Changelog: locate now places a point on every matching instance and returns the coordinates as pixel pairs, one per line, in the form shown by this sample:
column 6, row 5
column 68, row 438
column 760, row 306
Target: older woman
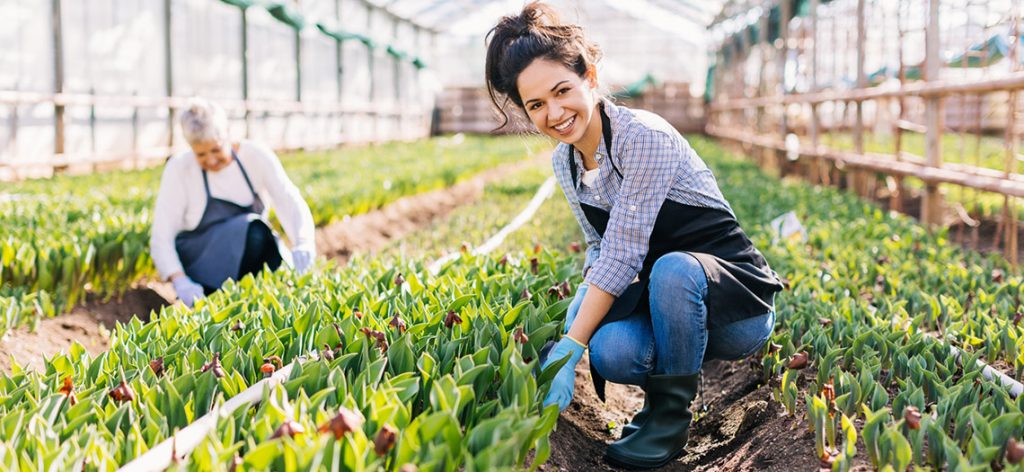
column 209, row 222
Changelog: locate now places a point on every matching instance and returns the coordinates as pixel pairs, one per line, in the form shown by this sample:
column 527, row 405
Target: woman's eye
column 563, row 90
column 535, row 106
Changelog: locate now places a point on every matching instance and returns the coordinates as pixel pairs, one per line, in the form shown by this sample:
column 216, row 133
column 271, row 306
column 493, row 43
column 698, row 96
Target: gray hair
column 204, row 121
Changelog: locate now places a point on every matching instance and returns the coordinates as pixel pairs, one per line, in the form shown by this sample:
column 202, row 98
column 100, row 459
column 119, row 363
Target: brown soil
column 367, row 233
column 90, row 323
column 738, row 428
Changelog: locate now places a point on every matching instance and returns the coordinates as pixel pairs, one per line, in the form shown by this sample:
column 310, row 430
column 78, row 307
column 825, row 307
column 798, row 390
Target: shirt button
column 597, row 197
column 598, row 156
column 632, row 207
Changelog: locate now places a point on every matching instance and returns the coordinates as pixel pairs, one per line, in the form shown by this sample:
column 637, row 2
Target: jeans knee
column 678, row 272
column 619, row 363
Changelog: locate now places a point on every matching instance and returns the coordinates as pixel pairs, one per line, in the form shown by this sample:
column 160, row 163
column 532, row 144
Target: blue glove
column 574, row 306
column 187, row 290
column 301, row 259
column 565, row 380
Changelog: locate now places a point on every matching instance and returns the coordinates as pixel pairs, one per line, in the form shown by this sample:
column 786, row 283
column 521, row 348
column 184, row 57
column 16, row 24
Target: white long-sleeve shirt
column 182, row 200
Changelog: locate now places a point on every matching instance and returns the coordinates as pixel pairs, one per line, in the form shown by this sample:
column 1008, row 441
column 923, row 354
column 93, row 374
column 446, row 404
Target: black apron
column 740, row 283
column 212, row 252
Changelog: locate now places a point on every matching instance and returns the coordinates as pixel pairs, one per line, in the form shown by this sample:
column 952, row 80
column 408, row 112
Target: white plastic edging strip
column 1015, row 387
column 543, row 193
column 188, row 438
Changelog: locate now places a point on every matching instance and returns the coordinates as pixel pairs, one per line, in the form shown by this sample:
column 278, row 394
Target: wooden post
column 762, row 87
column 1010, row 142
column 784, row 7
column 58, row 81
column 896, row 197
column 169, row 70
column 860, row 178
column 932, row 206
column 815, row 166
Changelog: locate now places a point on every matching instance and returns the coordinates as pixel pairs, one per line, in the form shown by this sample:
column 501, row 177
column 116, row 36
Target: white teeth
column 566, row 125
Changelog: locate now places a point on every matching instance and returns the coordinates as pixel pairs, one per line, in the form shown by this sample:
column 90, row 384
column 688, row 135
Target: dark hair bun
column 535, row 33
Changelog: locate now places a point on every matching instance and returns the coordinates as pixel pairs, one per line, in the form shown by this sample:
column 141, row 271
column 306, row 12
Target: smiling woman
column 671, row 280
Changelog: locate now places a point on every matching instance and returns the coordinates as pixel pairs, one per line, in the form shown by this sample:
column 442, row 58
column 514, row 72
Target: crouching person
column 209, row 222
column 671, row 280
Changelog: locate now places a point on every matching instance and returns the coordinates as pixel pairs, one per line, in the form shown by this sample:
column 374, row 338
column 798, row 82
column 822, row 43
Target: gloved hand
column 574, row 306
column 563, row 384
column 302, row 258
column 187, row 290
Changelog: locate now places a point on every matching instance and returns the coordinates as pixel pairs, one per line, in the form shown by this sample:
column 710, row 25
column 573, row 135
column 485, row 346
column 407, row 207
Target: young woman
column 670, row 278
column 208, row 224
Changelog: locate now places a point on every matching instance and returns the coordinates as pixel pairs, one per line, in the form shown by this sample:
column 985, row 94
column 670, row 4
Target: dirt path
column 741, row 428
column 365, row 234
column 90, row 323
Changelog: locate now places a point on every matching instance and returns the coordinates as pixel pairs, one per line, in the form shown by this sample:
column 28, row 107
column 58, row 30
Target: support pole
column 58, row 81
column 860, row 178
column 783, row 59
column 815, row 166
column 169, row 70
column 245, row 73
column 932, row 205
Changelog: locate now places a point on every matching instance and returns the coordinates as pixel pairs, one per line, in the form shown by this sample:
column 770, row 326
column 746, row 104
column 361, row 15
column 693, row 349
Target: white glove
column 187, row 290
column 301, row 259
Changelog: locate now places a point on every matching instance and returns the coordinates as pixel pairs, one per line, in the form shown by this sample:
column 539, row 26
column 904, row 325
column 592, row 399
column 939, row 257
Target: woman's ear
column 591, row 76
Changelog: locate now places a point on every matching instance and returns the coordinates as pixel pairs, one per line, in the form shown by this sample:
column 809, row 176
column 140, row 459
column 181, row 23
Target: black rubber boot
column 662, row 438
column 638, row 419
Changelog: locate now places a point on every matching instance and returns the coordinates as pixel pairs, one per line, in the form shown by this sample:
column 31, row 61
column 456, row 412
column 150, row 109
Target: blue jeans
column 674, row 339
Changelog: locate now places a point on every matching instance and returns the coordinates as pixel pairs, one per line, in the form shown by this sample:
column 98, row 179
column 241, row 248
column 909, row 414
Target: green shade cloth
column 394, row 52
column 637, row 88
column 366, row 40
column 991, row 51
column 709, row 84
column 287, row 15
column 336, row 33
column 243, row 4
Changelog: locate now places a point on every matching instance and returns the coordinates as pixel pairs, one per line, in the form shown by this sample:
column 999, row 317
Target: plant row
column 71, row 235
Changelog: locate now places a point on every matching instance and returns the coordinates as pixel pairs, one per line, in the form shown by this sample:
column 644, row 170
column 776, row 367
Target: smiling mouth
column 565, row 125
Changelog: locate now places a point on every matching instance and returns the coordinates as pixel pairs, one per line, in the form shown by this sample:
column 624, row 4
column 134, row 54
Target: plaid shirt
column 656, row 163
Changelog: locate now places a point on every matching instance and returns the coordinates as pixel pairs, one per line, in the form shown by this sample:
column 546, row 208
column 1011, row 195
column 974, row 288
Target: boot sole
column 630, row 464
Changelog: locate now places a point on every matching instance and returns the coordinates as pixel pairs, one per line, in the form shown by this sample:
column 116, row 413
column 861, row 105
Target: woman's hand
column 187, row 290
column 565, row 380
column 301, row 259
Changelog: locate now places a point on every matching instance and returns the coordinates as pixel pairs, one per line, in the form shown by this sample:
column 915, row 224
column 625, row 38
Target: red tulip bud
column 345, row 421
column 385, row 440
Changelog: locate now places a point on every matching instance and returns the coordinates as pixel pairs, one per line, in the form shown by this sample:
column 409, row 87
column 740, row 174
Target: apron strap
column 244, row 174
column 606, row 130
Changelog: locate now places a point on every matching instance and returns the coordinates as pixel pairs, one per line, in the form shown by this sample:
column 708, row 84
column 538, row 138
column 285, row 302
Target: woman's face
column 558, row 101
column 212, row 155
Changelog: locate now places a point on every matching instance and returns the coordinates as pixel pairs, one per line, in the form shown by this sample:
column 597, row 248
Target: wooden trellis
column 796, row 106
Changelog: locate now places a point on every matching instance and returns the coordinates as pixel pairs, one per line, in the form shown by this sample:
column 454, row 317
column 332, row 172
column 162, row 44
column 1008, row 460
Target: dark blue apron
column 212, row 252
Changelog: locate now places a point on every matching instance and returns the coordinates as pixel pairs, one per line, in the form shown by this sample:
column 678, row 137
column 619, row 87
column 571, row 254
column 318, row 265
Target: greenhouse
column 475, row 235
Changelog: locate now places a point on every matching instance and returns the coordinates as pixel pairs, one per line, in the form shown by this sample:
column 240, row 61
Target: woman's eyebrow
column 552, row 89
